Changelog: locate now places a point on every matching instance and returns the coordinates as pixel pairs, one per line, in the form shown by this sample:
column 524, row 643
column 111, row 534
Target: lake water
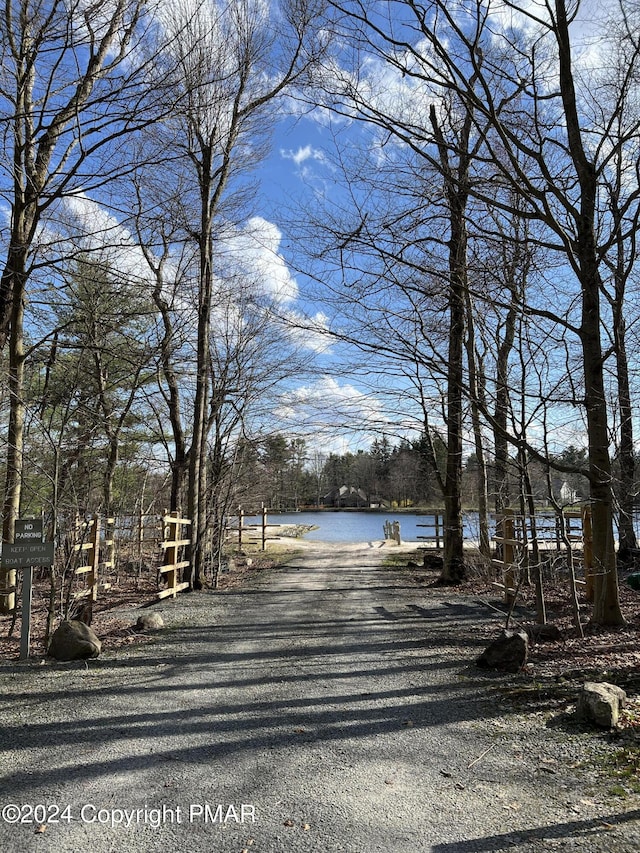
column 354, row 526
column 364, row 526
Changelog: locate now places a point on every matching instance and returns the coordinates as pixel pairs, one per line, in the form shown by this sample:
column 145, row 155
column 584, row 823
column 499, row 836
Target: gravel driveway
column 330, row 706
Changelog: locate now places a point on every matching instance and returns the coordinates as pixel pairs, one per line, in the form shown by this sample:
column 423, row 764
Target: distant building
column 346, row 496
column 568, row 495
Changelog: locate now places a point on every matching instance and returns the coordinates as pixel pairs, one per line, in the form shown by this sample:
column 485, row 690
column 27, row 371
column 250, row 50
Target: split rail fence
column 173, row 546
column 90, row 547
column 435, row 530
column 93, row 542
column 239, row 533
column 143, row 541
column 514, row 540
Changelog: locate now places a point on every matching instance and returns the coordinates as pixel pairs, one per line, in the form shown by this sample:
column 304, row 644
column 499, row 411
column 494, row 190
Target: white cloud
column 328, row 407
column 88, row 226
column 336, row 416
column 310, row 333
column 303, row 153
column 253, row 252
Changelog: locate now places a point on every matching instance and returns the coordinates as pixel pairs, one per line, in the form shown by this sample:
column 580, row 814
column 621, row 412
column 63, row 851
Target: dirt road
column 330, row 706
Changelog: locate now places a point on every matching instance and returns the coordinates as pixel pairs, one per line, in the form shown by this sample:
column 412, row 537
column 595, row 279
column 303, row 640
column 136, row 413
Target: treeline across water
column 284, row 473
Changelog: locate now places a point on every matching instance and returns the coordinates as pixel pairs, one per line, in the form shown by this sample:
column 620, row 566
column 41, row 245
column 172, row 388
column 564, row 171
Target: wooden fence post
column 93, row 558
column 140, row 536
column 264, row 528
column 109, row 544
column 587, row 552
column 8, row 584
column 505, row 538
column 92, row 547
column 172, row 525
column 509, row 555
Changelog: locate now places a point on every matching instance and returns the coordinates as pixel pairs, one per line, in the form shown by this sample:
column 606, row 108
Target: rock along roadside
column 330, row 706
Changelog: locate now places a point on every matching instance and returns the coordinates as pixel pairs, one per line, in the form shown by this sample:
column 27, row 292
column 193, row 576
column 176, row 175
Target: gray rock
column 508, row 652
column 544, row 633
column 149, row 622
column 73, row 640
column 600, row 703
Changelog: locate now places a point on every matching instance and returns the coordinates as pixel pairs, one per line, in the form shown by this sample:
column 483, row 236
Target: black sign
column 28, row 530
column 17, row 556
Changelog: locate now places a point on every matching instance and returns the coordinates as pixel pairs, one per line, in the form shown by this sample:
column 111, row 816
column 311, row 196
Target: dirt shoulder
column 330, row 704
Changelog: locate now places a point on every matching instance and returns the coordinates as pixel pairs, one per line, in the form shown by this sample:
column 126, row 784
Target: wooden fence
column 508, row 555
column 88, row 545
column 392, row 531
column 173, row 547
column 237, row 532
column 514, row 539
column 98, row 551
column 435, row 529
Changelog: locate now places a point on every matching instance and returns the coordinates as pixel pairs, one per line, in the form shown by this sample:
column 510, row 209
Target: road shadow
column 590, row 830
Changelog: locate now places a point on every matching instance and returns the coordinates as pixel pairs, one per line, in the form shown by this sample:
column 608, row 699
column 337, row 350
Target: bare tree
column 71, row 90
column 530, row 96
column 232, row 63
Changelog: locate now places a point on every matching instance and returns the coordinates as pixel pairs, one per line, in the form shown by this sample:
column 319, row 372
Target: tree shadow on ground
column 584, row 829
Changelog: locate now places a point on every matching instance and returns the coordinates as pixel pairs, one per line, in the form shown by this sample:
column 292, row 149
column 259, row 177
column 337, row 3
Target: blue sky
column 320, row 406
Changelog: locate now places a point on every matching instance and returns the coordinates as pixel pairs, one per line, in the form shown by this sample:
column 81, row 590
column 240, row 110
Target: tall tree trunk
column 606, row 609
column 180, row 462
column 454, row 568
column 502, row 406
column 474, row 392
column 626, row 453
column 13, row 479
column 196, row 503
column 627, row 494
column 457, row 193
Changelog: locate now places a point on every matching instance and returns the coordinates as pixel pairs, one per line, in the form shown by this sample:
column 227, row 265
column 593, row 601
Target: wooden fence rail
column 435, row 528
column 173, row 546
column 514, row 537
column 240, row 533
column 88, row 545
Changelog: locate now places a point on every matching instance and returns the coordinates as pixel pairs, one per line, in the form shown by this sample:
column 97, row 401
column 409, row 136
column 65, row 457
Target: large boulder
column 634, row 581
column 73, row 640
column 600, row 703
column 543, row 633
column 508, row 652
column 149, row 622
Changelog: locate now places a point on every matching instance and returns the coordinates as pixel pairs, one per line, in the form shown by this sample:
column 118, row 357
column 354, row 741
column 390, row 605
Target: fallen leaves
column 305, row 827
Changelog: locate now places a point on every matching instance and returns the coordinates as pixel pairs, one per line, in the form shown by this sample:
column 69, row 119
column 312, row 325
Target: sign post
column 25, row 631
